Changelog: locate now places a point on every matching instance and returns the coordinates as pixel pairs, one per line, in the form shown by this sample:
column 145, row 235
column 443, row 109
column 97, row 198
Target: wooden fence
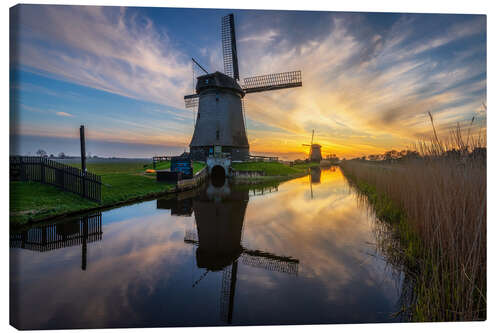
column 85, row 229
column 256, row 158
column 68, row 178
column 157, row 159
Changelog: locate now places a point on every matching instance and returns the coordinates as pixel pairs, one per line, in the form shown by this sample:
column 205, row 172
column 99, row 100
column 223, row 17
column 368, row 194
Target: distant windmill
column 314, row 150
column 218, row 96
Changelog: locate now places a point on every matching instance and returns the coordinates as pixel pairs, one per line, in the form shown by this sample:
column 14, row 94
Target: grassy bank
column 436, row 207
column 274, row 168
column 197, row 166
column 122, row 182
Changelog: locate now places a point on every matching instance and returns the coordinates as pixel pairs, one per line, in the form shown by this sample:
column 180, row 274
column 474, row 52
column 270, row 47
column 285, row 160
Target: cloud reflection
column 142, row 272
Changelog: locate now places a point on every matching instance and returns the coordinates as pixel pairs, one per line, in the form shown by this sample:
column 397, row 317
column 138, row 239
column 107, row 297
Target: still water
column 301, row 252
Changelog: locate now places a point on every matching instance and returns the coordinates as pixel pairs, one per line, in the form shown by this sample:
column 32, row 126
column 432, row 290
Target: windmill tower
column 314, row 150
column 220, row 120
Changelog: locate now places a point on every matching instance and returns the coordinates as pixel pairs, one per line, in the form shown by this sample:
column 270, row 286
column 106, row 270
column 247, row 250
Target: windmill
column 219, row 99
column 219, row 218
column 314, row 150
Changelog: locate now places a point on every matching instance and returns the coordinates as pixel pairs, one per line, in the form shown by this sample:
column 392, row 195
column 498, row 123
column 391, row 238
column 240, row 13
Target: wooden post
column 84, row 164
column 82, row 148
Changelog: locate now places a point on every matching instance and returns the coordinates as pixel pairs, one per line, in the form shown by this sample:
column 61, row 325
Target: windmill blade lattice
column 191, row 101
column 257, row 258
column 229, row 53
column 272, row 81
column 225, row 310
column 270, row 262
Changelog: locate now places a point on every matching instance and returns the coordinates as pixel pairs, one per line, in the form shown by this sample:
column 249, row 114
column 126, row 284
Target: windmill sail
column 191, row 101
column 257, row 258
column 272, row 82
column 227, row 292
column 229, row 53
column 270, row 261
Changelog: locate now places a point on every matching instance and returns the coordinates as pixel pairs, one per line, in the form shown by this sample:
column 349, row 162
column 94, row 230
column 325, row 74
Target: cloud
column 31, row 108
column 103, row 48
column 368, row 79
column 261, row 38
column 379, row 82
column 64, row 114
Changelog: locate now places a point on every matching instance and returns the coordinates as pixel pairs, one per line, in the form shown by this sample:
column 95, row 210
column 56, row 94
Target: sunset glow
column 368, row 79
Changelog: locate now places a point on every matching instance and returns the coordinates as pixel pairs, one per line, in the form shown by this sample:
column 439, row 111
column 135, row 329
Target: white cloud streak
column 111, row 51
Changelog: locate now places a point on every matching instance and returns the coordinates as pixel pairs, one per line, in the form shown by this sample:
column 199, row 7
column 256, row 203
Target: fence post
column 42, row 170
column 21, row 169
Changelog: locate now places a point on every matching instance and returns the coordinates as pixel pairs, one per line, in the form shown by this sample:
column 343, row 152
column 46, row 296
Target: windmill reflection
column 315, row 175
column 180, row 205
column 219, row 214
column 314, row 178
column 80, row 231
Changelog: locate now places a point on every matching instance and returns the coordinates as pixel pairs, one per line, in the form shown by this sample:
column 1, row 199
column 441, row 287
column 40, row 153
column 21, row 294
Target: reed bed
column 436, row 204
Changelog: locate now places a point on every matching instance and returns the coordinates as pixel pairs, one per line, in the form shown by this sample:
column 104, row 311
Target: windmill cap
column 218, row 80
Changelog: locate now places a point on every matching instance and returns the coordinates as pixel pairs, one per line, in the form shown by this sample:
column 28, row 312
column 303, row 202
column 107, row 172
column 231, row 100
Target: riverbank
column 436, row 210
column 123, row 182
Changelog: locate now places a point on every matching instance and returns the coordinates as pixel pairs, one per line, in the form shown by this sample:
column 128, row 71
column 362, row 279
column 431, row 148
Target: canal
column 299, row 252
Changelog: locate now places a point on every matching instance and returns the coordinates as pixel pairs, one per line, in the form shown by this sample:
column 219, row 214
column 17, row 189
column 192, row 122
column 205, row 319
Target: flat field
column 274, row 168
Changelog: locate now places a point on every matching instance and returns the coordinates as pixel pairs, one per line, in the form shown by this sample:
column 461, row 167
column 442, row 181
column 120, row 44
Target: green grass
column 105, row 168
column 30, row 200
column 197, row 166
column 273, row 168
column 122, row 181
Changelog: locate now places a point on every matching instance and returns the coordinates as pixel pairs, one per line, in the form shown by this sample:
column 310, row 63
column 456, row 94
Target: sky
column 369, row 79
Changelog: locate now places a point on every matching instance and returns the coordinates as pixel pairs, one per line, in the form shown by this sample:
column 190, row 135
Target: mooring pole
column 82, row 148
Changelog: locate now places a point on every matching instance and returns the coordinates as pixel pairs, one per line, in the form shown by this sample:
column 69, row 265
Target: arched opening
column 218, row 176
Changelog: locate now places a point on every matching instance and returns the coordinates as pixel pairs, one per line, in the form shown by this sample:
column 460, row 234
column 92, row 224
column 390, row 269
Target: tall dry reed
column 443, row 200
